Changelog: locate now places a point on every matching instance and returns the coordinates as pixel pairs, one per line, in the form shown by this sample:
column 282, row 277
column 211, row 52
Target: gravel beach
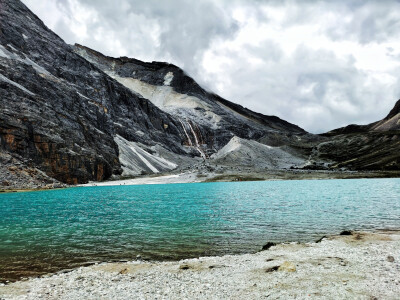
column 357, row 266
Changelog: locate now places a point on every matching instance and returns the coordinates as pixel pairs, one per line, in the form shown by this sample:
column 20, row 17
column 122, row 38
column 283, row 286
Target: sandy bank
column 360, row 266
column 242, row 175
column 161, row 179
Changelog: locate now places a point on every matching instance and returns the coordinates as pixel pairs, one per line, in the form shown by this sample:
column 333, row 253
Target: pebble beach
column 356, row 266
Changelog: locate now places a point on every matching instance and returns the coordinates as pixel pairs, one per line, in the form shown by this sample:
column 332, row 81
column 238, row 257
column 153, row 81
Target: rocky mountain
column 70, row 114
column 60, row 113
column 77, row 115
column 389, row 123
column 375, row 146
column 208, row 122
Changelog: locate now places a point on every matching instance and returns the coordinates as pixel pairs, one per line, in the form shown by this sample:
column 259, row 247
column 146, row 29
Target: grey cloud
column 363, row 21
column 184, row 28
column 371, row 22
column 313, row 89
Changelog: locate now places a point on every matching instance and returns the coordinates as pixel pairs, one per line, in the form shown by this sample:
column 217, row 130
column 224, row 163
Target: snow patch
column 161, row 96
column 4, row 78
column 83, row 96
column 12, row 47
column 118, row 124
column 38, row 69
column 139, row 133
column 168, row 78
column 4, row 52
column 7, row 54
column 24, row 36
column 165, row 98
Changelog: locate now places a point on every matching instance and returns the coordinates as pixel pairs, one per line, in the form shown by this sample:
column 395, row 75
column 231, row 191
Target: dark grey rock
column 346, row 232
column 390, row 258
column 268, row 245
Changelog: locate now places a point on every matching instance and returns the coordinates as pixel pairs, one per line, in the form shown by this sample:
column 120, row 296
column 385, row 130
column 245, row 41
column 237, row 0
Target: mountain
column 390, row 122
column 60, row 113
column 375, row 146
column 208, row 121
column 72, row 114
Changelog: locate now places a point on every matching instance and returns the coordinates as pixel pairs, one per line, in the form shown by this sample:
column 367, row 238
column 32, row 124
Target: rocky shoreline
column 358, row 265
column 210, row 173
column 13, row 178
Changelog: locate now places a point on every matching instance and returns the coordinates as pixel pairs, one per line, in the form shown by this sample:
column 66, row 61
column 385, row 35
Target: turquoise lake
column 52, row 230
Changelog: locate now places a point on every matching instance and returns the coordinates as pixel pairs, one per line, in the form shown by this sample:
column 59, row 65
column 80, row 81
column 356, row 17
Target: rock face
column 207, row 122
column 364, row 147
column 59, row 112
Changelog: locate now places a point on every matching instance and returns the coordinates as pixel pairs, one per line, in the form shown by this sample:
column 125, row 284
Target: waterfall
column 196, row 138
column 187, row 135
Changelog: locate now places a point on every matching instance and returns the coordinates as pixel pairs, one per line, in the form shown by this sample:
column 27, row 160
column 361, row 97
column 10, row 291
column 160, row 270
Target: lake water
column 51, row 230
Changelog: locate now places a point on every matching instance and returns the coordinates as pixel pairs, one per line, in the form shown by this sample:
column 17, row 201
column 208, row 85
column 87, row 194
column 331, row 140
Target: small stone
column 272, row 269
column 268, row 245
column 287, row 266
column 123, row 271
column 184, row 267
column 390, row 258
column 346, row 232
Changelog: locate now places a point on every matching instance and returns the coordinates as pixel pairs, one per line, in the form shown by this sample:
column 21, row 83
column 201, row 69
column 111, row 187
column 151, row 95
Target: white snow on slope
column 161, row 96
column 4, row 78
column 135, row 160
column 165, row 98
column 168, row 78
column 4, row 52
column 251, row 153
column 10, row 55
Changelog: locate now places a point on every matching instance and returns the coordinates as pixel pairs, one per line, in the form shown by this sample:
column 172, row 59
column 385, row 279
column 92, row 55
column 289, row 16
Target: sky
column 318, row 64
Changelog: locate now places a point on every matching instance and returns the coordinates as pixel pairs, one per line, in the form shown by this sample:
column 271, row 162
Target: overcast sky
column 320, row 65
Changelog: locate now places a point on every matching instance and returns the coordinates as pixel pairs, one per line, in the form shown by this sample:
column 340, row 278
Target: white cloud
column 319, row 65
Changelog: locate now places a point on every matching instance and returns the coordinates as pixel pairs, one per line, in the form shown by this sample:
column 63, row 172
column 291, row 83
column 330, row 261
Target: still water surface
column 51, row 230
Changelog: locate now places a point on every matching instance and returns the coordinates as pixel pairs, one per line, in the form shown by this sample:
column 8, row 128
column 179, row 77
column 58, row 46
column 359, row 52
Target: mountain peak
column 395, row 110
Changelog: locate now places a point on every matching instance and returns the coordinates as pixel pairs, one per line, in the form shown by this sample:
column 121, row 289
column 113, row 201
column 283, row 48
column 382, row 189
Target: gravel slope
column 360, row 266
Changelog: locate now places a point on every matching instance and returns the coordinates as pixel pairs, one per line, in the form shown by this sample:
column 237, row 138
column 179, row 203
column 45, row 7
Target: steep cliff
column 60, row 113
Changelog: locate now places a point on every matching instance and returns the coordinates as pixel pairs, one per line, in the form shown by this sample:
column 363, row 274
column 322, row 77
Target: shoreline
column 272, row 175
column 367, row 262
column 230, row 176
